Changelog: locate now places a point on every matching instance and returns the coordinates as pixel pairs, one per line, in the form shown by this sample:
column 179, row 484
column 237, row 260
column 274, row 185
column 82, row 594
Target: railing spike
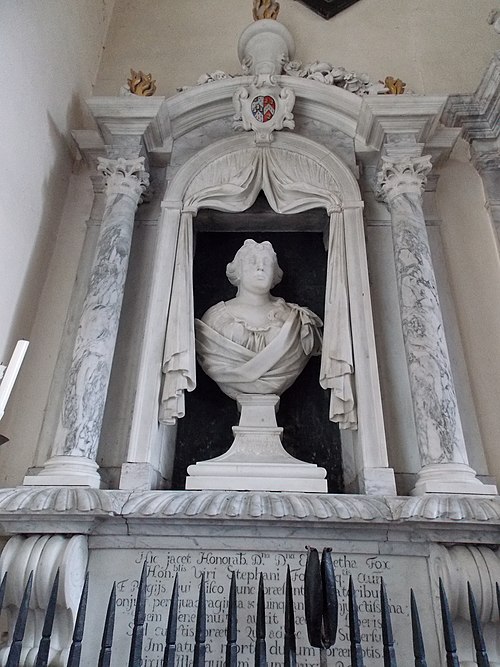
column 477, row 631
column 330, row 600
column 260, row 627
column 387, row 636
column 75, row 650
column 449, row 635
column 290, row 648
column 232, row 626
column 201, row 628
column 42, row 657
column 313, row 593
column 171, row 637
column 139, row 618
column 107, row 633
column 20, row 626
column 356, row 650
column 2, row 590
column 416, row 628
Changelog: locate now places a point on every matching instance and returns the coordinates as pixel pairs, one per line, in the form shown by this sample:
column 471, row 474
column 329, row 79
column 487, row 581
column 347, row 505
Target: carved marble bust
column 256, row 343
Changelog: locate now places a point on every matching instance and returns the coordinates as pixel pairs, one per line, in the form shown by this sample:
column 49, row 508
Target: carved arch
column 296, row 174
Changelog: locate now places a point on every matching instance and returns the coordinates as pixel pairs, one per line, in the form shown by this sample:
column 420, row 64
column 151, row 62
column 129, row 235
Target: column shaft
column 439, row 429
column 77, row 437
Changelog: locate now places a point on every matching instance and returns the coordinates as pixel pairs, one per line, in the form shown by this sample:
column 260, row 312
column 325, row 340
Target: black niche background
column 205, row 431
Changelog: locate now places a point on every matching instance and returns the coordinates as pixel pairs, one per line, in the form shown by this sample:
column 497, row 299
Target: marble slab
column 217, row 563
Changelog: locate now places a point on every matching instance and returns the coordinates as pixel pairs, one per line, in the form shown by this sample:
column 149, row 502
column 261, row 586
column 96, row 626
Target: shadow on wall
column 54, row 191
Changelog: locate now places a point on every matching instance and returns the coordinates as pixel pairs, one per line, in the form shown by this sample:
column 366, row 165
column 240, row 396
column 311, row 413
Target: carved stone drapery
column 439, row 430
column 291, row 183
column 77, row 437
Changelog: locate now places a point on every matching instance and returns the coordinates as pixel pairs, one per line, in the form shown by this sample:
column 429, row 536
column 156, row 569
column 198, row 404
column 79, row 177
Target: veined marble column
column 74, row 452
column 440, row 438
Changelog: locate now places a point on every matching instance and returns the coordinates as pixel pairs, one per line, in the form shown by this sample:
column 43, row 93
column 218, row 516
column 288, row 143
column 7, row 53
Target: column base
column 257, row 461
column 374, row 482
column 66, row 470
column 451, row 478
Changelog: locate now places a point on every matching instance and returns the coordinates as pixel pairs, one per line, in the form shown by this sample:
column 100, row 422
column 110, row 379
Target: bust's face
column 257, row 272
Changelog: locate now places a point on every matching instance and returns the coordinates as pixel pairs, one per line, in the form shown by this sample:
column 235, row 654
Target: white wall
column 434, row 46
column 50, row 52
column 473, row 264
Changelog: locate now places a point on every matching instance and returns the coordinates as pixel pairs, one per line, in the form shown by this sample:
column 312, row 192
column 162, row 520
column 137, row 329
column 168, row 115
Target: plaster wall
column 50, row 53
column 434, row 47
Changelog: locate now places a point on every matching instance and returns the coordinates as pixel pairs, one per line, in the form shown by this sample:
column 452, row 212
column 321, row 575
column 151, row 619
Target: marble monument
column 255, row 346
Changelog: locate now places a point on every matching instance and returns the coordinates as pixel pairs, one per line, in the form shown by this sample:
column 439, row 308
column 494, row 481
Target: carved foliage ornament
column 124, row 176
column 263, row 109
column 399, row 177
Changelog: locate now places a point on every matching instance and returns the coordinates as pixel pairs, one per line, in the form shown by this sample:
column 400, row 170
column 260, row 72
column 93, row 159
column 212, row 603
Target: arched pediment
column 334, row 106
column 235, row 170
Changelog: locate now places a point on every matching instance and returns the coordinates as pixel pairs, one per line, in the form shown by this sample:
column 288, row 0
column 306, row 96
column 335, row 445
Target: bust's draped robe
column 257, row 367
column 292, row 183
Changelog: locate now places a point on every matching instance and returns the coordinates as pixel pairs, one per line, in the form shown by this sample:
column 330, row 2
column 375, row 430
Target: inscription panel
column 399, row 573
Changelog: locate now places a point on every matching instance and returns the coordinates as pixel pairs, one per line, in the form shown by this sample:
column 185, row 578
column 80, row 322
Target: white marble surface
column 439, row 429
column 86, row 388
column 256, row 460
column 44, row 555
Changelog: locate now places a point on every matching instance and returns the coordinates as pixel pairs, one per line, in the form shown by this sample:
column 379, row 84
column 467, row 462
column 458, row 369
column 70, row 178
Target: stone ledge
column 78, row 502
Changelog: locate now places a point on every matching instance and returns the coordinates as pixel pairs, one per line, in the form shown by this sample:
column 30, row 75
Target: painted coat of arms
column 263, row 109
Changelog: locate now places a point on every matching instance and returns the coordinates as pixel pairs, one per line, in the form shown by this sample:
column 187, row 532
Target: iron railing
column 321, row 612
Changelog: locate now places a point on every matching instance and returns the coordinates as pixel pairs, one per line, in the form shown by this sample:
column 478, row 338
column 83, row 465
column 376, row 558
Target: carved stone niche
column 310, row 192
column 298, row 239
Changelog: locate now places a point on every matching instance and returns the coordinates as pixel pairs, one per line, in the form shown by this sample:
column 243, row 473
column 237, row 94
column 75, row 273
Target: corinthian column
column 74, row 452
column 440, row 438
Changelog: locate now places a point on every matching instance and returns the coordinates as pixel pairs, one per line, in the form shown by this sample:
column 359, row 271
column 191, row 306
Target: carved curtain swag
column 292, row 183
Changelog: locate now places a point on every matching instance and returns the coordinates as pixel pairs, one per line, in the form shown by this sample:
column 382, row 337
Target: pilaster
column 478, row 116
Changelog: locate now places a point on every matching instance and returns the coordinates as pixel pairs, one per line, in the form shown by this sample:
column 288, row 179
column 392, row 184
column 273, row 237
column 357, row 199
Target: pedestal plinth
column 256, row 461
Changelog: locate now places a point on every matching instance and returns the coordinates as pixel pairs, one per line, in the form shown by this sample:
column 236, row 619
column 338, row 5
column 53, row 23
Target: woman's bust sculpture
column 256, row 343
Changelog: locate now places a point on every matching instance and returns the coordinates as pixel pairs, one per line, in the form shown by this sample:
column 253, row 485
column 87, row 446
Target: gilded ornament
column 141, row 84
column 265, row 9
column 394, row 86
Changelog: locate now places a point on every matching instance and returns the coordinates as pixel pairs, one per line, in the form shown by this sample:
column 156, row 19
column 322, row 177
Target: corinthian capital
column 122, row 176
column 398, row 177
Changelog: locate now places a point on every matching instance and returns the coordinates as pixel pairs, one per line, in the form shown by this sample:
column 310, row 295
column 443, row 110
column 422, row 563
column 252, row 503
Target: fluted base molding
column 65, row 470
column 451, row 478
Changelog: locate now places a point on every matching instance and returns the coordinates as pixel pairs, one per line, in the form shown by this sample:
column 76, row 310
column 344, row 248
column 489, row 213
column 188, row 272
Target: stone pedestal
column 256, row 461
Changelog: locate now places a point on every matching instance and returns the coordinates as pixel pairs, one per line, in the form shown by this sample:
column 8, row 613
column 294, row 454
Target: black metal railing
column 321, row 604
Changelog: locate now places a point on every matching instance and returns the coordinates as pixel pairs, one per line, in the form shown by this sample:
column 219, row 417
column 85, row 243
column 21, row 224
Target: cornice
column 75, row 503
column 478, row 114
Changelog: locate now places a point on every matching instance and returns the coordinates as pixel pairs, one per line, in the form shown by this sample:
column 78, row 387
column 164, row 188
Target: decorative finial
column 265, row 9
column 394, row 86
column 141, row 84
